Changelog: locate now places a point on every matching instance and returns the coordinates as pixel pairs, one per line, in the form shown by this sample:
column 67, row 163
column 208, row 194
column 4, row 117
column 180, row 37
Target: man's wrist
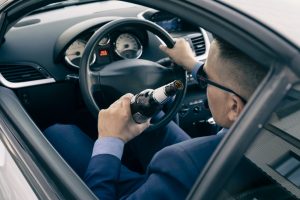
column 111, row 136
column 189, row 65
column 196, row 68
column 108, row 145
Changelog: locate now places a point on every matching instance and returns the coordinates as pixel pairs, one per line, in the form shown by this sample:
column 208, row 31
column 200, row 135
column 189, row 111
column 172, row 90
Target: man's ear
column 236, row 106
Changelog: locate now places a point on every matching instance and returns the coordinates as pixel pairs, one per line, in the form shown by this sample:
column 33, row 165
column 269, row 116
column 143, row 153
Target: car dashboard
column 40, row 59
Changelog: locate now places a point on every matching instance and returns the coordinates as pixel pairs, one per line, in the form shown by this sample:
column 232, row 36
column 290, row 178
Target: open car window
column 287, row 116
column 270, row 169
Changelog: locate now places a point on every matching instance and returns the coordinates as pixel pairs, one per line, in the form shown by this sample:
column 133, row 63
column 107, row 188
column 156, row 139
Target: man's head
column 232, row 69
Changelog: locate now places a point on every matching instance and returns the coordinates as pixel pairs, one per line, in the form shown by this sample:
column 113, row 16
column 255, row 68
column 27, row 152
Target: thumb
column 143, row 126
column 127, row 96
column 164, row 48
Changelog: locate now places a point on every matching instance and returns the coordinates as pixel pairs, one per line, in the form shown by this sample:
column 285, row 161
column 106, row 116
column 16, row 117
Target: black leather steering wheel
column 131, row 75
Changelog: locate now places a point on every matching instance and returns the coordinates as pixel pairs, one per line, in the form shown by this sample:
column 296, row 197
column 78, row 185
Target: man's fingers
column 127, row 96
column 117, row 102
column 146, row 124
column 164, row 48
column 143, row 126
column 126, row 99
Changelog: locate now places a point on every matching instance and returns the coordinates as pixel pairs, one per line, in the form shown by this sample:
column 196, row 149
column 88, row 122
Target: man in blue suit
column 171, row 159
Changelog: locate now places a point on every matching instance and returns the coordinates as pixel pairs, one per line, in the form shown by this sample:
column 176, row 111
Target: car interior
column 40, row 69
column 52, row 64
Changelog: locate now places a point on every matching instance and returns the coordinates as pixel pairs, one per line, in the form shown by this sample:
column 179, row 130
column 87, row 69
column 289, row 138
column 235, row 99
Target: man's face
column 217, row 99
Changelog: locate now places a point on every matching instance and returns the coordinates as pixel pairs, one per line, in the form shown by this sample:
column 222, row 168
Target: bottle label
column 139, row 118
column 159, row 95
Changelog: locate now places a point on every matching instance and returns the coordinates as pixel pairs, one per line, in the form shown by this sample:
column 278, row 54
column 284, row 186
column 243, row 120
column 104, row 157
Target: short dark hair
column 243, row 74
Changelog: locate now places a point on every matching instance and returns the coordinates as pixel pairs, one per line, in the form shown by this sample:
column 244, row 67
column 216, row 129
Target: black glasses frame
column 203, row 81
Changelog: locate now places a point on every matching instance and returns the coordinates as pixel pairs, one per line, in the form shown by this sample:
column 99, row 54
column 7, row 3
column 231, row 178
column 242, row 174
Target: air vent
column 198, row 44
column 22, row 73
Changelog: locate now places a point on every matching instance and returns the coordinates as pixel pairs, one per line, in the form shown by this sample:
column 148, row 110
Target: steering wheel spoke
column 94, row 79
column 167, row 62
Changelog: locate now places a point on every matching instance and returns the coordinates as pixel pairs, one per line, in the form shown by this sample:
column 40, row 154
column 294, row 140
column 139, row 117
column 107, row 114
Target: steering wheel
column 130, row 75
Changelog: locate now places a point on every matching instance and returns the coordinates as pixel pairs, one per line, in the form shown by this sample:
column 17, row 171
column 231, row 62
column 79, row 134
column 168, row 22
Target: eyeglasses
column 204, row 81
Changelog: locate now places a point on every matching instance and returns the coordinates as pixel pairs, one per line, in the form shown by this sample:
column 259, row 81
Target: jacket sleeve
column 173, row 171
column 170, row 175
column 164, row 179
column 102, row 176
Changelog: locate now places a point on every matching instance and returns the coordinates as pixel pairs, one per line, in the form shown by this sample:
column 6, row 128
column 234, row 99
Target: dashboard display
column 74, row 53
column 104, row 41
column 171, row 25
column 128, row 46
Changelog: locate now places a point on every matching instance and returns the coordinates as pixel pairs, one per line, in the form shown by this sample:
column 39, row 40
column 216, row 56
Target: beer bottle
column 148, row 102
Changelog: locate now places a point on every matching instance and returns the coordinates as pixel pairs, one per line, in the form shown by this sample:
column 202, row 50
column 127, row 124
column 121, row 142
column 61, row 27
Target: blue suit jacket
column 170, row 174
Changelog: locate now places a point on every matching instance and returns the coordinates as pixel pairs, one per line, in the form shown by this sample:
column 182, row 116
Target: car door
column 13, row 184
column 29, row 166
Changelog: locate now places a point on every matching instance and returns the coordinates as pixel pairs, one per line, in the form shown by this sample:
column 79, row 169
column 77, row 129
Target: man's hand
column 181, row 53
column 116, row 121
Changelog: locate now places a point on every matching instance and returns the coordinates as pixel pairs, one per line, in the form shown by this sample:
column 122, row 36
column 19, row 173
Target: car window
column 13, row 185
column 287, row 116
column 270, row 169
